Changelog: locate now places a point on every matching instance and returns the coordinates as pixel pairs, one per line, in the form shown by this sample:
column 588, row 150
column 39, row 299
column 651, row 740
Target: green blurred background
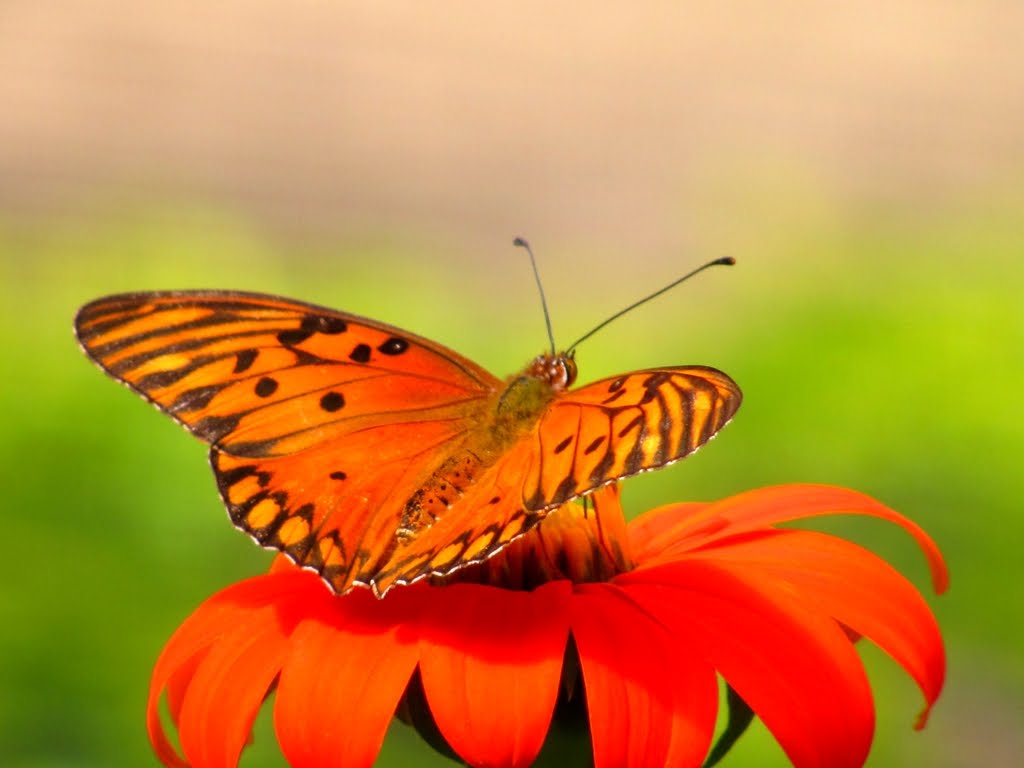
column 865, row 167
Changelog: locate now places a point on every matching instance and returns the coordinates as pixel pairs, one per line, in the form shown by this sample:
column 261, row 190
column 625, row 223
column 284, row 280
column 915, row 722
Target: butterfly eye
column 557, row 371
column 568, row 370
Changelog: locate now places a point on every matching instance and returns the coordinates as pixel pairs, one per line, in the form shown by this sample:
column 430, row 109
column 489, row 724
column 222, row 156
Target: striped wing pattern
column 262, row 376
column 620, row 426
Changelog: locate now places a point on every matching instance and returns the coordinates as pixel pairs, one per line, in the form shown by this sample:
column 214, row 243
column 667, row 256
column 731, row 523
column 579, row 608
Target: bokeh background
column 864, row 162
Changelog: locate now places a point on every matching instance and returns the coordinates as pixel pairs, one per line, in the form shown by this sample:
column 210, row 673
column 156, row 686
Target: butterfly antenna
column 521, row 243
column 724, row 261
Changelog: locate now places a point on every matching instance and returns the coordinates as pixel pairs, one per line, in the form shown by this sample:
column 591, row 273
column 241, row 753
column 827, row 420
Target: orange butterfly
column 377, row 457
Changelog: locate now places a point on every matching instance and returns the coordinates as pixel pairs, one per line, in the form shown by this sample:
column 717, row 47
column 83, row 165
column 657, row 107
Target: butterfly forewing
column 262, row 376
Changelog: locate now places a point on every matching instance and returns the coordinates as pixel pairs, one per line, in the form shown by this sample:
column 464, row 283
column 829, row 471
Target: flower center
column 580, row 541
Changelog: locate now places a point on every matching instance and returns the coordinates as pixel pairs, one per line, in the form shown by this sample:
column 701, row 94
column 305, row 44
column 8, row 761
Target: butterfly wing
column 341, row 523
column 621, row 426
column 311, row 413
column 584, row 439
column 489, row 516
column 263, row 376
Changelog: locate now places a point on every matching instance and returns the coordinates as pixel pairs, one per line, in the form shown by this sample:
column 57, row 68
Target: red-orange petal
column 651, row 699
column 178, row 683
column 853, row 585
column 227, row 689
column 795, row 667
column 176, row 680
column 181, row 655
column 764, row 507
column 345, row 672
column 654, row 531
column 491, row 660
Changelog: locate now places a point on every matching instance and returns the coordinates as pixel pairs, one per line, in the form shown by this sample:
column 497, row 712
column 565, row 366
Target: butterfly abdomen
column 514, row 413
column 445, row 487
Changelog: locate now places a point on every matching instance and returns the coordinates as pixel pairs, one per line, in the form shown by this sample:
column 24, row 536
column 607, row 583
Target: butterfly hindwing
column 334, row 508
column 488, row 516
column 624, row 425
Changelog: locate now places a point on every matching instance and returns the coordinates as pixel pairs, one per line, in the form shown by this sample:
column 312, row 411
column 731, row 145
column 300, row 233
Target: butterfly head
column 557, row 370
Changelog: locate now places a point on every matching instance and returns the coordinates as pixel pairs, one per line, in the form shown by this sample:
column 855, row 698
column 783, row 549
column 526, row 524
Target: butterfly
column 377, row 457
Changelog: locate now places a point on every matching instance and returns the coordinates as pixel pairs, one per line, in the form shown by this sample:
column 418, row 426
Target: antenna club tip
column 728, row 261
column 520, row 242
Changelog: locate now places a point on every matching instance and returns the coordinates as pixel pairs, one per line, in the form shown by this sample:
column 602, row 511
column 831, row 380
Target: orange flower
column 635, row 623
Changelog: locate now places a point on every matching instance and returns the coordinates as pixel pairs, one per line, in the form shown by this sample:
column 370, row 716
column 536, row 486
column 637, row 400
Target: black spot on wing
column 323, row 324
column 393, row 346
column 293, row 336
column 332, row 401
column 594, row 445
column 565, row 443
column 360, row 354
column 265, row 387
column 339, row 475
column 245, row 359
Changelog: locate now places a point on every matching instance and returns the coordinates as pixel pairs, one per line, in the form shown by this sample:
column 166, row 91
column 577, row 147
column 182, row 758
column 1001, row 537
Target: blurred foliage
column 880, row 354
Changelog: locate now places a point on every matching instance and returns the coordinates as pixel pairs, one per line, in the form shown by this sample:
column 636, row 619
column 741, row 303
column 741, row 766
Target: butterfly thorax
column 516, row 411
column 527, row 394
